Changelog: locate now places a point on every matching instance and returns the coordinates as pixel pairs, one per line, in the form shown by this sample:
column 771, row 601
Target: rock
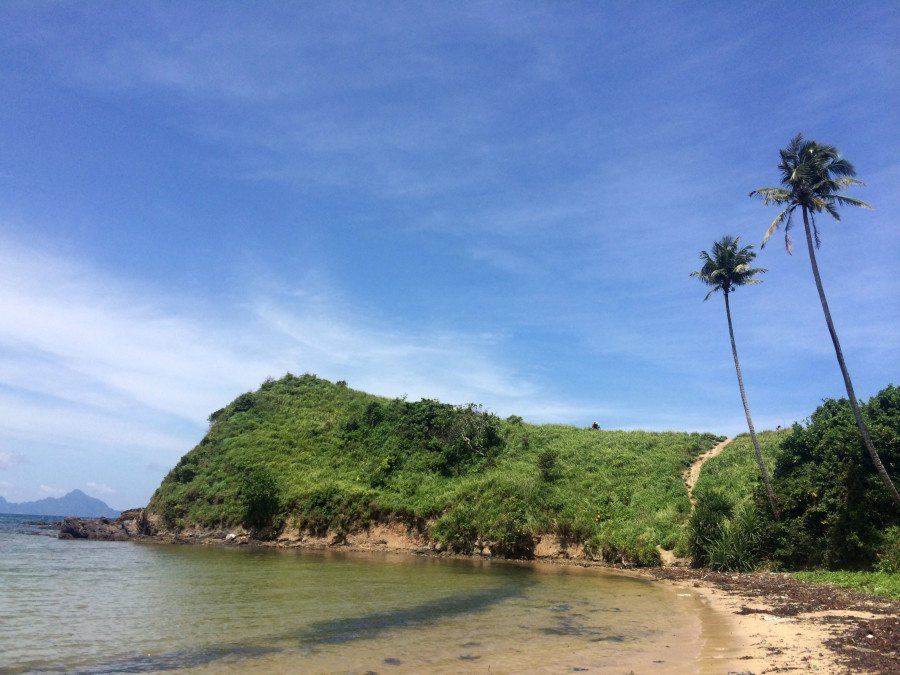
column 99, row 529
column 230, row 537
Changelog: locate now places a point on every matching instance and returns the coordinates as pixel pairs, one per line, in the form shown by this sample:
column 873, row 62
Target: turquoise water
column 123, row 607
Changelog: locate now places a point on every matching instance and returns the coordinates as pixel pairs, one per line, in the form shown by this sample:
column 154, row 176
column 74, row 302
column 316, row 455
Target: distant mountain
column 76, row 503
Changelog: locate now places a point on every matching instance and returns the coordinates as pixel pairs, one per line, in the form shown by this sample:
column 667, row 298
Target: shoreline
column 762, row 622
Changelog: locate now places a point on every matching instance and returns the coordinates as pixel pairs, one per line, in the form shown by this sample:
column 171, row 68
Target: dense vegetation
column 835, row 512
column 323, row 457
column 304, row 453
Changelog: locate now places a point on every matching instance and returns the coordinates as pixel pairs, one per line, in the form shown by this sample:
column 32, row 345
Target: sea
column 133, row 607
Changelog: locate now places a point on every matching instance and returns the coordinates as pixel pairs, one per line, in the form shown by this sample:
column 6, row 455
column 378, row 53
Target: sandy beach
column 777, row 624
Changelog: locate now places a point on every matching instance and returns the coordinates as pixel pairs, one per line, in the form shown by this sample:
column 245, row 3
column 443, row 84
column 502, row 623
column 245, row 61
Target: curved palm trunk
column 759, row 457
column 854, row 404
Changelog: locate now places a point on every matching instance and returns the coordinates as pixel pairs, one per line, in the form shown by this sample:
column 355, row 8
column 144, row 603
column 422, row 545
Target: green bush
column 888, row 559
column 705, row 528
column 835, row 510
column 548, row 464
column 456, row 528
column 262, row 500
column 739, row 546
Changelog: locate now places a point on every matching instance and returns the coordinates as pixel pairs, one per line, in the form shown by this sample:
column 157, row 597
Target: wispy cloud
column 7, row 459
column 48, row 491
column 100, row 489
column 86, row 358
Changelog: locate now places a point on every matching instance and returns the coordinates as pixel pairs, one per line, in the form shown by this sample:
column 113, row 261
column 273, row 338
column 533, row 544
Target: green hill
column 302, row 452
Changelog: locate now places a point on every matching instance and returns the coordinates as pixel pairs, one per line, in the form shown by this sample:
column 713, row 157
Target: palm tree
column 725, row 269
column 812, row 177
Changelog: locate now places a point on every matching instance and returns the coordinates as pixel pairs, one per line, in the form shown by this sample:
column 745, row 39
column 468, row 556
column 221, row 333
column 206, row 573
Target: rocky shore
column 127, row 526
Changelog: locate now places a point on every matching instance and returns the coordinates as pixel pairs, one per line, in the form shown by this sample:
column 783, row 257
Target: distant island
column 76, row 503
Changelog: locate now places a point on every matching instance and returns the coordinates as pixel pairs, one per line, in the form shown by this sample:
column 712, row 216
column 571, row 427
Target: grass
column 329, row 457
column 734, row 473
column 882, row 584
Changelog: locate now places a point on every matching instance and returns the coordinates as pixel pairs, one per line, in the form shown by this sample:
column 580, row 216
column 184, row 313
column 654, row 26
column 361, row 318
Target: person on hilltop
column 595, row 425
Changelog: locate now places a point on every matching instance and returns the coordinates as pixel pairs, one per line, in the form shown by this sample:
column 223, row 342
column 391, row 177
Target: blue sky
column 496, row 202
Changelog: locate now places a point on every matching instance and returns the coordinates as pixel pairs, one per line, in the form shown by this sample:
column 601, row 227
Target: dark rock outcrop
column 129, row 525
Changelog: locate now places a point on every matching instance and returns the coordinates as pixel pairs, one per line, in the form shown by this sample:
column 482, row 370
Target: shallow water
column 121, row 607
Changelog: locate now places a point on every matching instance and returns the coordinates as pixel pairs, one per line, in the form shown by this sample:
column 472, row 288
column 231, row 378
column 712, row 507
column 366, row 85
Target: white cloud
column 7, row 459
column 48, row 491
column 89, row 362
column 12, row 492
column 100, row 489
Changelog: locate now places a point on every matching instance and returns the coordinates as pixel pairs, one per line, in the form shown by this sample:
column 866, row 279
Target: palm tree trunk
column 854, row 404
column 759, row 457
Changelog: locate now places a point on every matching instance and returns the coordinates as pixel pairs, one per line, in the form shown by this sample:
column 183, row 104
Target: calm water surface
column 121, row 607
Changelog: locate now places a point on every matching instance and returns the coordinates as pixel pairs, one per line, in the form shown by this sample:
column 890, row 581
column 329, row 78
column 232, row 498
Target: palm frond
column 772, row 194
column 815, row 230
column 841, row 167
column 851, row 201
column 812, row 176
column 727, row 266
column 784, row 216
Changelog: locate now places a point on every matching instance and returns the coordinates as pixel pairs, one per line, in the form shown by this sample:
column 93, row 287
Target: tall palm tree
column 812, row 177
column 725, row 269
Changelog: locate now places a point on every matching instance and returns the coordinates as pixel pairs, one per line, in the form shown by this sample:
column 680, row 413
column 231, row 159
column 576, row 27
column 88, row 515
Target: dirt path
column 691, row 477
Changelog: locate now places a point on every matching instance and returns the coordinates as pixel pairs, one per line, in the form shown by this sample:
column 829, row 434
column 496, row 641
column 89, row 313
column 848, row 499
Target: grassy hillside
column 326, row 457
column 735, row 471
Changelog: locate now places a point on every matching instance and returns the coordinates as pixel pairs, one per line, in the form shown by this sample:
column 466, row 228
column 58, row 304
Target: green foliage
column 727, row 266
column 724, row 537
column 548, row 464
column 834, row 508
column 813, row 176
column 889, row 552
column 735, row 471
column 740, row 545
column 261, row 498
column 328, row 458
column 330, row 506
column 729, row 529
column 706, row 524
column 883, row 584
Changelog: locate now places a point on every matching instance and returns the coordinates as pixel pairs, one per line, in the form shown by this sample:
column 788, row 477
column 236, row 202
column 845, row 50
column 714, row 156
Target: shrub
column 738, row 547
column 548, row 464
column 711, row 512
column 889, row 552
column 262, row 500
column 456, row 528
column 834, row 508
column 243, row 402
